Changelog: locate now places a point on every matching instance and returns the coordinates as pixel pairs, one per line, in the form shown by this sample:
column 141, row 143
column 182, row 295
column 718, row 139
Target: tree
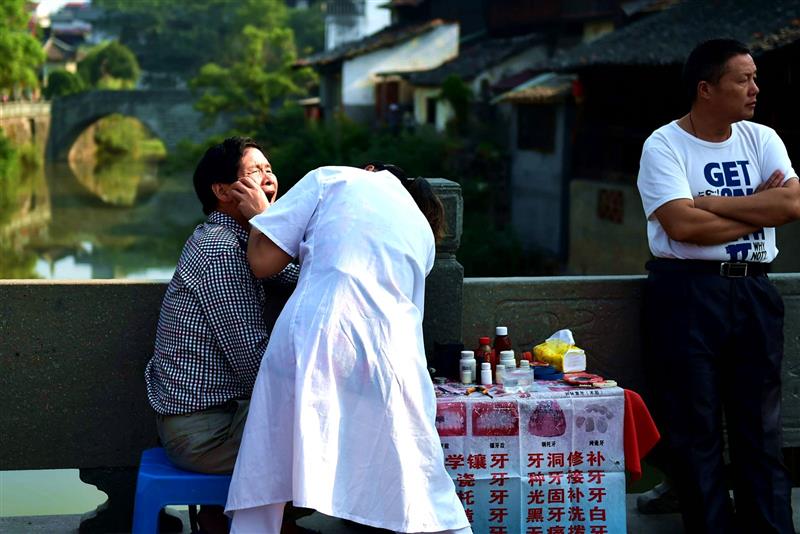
column 458, row 95
column 260, row 80
column 173, row 39
column 308, row 25
column 61, row 82
column 21, row 53
column 109, row 65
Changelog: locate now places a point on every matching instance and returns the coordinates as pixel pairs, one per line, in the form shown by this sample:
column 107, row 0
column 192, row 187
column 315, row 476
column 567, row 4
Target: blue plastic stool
column 160, row 484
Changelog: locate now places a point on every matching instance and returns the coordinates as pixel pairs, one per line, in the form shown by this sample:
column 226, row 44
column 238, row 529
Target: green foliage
column 308, row 26
column 459, row 95
column 117, row 134
column 173, row 39
column 261, row 78
column 61, row 82
column 21, row 53
column 109, row 65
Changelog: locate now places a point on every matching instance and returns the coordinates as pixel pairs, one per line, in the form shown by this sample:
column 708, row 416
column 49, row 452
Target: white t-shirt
column 676, row 164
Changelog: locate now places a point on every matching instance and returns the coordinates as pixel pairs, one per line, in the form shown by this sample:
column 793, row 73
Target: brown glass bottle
column 501, row 342
column 484, row 351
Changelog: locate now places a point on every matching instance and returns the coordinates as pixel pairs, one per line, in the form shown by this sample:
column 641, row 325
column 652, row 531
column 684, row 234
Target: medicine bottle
column 486, row 374
column 501, row 340
column 468, row 363
column 499, row 371
column 484, row 351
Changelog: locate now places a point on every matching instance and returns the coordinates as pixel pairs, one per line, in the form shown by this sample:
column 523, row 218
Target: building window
column 610, row 206
column 536, row 128
column 430, row 110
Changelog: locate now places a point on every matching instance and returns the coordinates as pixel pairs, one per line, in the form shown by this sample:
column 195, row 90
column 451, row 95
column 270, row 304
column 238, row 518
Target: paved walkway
column 637, row 523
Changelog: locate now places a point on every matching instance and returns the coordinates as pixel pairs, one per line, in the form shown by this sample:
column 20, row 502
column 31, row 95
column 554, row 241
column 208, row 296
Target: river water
column 85, row 220
column 82, row 220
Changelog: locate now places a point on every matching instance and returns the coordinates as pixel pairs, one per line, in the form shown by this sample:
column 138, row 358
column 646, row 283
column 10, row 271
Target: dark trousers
column 714, row 345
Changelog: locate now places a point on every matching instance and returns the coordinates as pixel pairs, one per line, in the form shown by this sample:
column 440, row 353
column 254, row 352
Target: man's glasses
column 256, row 172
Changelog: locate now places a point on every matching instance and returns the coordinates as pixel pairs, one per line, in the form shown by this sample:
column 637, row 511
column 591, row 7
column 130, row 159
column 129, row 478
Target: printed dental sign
column 546, row 463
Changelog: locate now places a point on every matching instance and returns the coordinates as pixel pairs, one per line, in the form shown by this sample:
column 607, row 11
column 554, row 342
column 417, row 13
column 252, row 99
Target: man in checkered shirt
column 212, row 331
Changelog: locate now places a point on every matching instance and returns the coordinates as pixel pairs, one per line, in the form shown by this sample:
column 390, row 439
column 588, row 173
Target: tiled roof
column 667, row 37
column 386, row 37
column 473, row 60
column 546, row 88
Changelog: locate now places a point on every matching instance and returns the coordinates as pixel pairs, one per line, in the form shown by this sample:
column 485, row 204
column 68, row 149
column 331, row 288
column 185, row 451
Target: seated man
column 212, row 331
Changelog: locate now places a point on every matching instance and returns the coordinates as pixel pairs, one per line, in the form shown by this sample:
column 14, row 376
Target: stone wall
column 26, row 122
column 604, row 314
column 616, row 242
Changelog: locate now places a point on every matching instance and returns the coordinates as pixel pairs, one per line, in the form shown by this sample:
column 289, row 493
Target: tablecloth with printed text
column 546, row 462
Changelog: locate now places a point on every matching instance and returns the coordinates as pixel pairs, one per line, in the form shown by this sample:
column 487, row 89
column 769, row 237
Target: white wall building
column 351, row 20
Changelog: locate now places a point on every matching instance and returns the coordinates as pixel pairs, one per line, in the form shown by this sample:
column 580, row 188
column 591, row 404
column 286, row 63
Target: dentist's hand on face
column 251, row 197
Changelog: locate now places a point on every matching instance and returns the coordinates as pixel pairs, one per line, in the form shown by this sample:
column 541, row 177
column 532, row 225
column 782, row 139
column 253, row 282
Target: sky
column 49, row 6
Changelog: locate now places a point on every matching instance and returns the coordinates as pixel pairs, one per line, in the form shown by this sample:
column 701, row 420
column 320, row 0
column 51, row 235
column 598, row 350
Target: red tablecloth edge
column 639, row 434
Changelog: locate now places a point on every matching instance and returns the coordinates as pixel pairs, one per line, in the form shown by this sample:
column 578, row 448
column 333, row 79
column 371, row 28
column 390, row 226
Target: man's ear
column 703, row 89
column 221, row 191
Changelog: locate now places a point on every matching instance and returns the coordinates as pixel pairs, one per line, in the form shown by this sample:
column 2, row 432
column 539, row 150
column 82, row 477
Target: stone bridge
column 168, row 113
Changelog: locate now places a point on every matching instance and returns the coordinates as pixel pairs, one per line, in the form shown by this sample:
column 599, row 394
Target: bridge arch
column 168, row 113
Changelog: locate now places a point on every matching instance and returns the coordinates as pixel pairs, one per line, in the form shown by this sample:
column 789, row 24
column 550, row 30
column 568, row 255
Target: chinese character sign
column 549, row 463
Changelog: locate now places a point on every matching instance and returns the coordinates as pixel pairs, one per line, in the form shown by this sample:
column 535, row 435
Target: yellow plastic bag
column 559, row 350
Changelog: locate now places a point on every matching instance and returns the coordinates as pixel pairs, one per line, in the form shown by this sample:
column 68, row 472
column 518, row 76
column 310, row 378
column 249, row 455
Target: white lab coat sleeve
column 286, row 221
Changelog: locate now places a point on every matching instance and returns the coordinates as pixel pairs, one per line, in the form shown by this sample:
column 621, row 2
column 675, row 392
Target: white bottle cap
column 467, row 354
column 506, row 354
column 501, row 331
column 486, row 365
column 524, row 364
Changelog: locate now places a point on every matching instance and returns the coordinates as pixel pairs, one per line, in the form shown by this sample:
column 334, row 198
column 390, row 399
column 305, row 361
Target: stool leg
column 145, row 515
column 193, row 518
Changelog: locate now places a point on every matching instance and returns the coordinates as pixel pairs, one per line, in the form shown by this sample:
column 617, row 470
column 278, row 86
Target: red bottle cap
column 484, row 341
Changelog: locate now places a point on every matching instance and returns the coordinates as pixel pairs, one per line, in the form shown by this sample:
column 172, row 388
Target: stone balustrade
column 73, row 355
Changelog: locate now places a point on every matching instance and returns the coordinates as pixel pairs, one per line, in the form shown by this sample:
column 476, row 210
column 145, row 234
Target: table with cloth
column 547, row 461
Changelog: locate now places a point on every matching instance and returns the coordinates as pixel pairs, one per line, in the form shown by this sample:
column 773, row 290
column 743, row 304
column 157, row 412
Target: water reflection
column 112, row 218
column 120, row 181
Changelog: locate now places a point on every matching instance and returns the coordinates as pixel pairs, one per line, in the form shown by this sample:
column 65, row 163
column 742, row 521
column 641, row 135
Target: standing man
column 714, row 186
column 211, row 332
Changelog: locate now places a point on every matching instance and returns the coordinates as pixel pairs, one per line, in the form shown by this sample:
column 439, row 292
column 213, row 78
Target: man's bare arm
column 684, row 222
column 774, row 206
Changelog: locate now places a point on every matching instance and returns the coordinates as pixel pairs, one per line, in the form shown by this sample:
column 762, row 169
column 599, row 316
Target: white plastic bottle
column 468, row 362
column 507, row 358
column 486, row 374
column 499, row 369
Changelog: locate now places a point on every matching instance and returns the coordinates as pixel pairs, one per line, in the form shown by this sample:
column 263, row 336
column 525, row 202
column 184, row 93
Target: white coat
column 342, row 414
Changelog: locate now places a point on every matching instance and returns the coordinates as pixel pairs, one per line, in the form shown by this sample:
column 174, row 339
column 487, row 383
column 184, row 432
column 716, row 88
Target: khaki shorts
column 206, row 441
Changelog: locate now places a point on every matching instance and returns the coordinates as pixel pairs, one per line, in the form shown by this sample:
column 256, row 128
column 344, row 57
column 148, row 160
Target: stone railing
column 10, row 110
column 73, row 356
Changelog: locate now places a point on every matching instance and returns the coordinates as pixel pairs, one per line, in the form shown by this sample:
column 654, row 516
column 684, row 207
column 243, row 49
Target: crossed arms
column 711, row 220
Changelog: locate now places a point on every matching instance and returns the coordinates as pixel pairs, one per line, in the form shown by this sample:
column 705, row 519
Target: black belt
column 729, row 269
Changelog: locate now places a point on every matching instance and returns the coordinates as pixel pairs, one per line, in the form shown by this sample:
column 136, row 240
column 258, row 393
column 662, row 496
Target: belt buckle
column 733, row 269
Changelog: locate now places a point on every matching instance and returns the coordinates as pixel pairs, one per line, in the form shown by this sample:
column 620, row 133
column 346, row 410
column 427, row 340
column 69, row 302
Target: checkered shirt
column 211, row 332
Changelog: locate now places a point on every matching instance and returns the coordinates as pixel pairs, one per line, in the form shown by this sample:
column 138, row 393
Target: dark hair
column 220, row 164
column 706, row 63
column 394, row 169
column 421, row 191
column 428, row 203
